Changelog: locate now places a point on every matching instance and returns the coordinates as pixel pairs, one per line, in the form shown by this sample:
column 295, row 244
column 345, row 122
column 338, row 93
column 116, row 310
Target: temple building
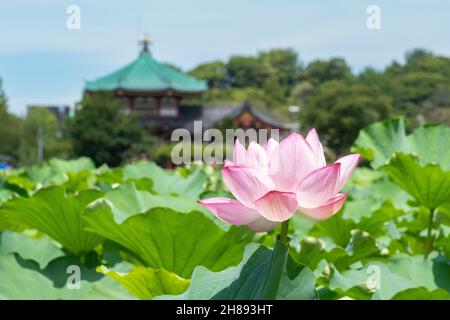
column 153, row 91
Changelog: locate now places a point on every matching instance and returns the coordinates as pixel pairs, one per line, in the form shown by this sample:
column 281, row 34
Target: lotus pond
column 70, row 230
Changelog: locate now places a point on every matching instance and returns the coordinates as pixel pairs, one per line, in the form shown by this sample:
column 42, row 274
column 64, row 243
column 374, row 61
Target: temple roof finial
column 145, row 41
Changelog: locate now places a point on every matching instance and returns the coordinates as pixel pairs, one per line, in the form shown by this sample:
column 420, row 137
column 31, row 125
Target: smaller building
column 243, row 116
column 61, row 112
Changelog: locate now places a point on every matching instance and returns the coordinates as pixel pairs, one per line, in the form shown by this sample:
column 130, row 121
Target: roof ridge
column 145, row 73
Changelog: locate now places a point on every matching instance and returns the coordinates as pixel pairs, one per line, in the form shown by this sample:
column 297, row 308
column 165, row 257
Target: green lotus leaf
column 335, row 228
column 376, row 223
column 444, row 243
column 72, row 166
column 380, row 141
column 54, row 213
column 361, row 246
column 20, row 185
column 402, row 272
column 262, row 274
column 57, row 171
column 365, row 199
column 19, row 283
column 79, row 181
column 167, row 182
column 430, row 144
column 5, row 195
column 311, row 252
column 41, row 250
column 422, row 294
column 42, row 174
column 27, row 283
column 146, row 283
column 300, row 229
column 351, row 283
column 126, row 201
column 428, row 184
column 92, row 285
column 107, row 289
column 177, row 242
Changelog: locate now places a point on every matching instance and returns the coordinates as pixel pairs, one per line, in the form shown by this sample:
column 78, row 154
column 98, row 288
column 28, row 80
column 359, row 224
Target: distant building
column 61, row 112
column 154, row 92
column 243, row 116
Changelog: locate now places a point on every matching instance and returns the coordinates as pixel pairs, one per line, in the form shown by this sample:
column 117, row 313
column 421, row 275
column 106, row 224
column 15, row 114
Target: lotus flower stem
column 278, row 264
column 430, row 239
column 284, row 233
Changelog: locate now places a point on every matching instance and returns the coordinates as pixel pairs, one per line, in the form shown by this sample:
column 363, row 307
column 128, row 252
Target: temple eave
column 147, row 92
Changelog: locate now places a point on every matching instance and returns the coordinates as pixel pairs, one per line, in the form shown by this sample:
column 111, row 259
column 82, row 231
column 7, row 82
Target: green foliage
column 265, row 79
column 424, row 173
column 379, row 141
column 56, row 214
column 40, row 126
column 333, row 98
column 399, row 274
column 165, row 182
column 338, row 111
column 147, row 283
column 320, row 71
column 422, row 294
column 9, row 130
column 126, row 201
column 429, row 142
column 416, row 87
column 39, row 249
column 301, row 91
column 177, row 242
column 214, row 72
column 19, row 283
column 245, row 72
column 19, row 137
column 256, row 96
column 102, row 132
column 254, row 278
column 137, row 231
column 429, row 184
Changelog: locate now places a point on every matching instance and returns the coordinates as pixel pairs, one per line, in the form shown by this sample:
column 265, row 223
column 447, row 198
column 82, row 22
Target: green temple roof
column 145, row 74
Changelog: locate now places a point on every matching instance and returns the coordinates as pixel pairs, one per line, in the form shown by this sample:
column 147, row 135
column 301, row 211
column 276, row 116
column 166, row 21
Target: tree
column 339, row 110
column 416, row 55
column 9, row 129
column 232, row 96
column 102, row 132
column 301, row 91
column 282, row 66
column 420, row 77
column 246, row 72
column 41, row 127
column 215, row 73
column 320, row 71
column 417, row 87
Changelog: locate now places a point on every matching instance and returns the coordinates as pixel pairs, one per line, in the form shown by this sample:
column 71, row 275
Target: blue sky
column 41, row 61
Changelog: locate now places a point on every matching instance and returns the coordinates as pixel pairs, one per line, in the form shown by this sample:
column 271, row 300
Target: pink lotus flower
column 273, row 182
